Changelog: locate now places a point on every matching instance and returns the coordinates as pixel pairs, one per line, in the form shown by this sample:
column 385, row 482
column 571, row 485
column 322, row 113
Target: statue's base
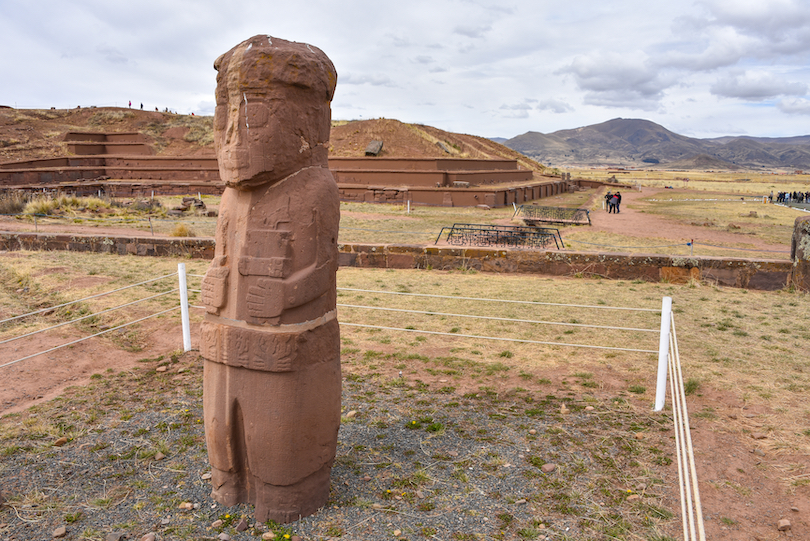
column 279, row 503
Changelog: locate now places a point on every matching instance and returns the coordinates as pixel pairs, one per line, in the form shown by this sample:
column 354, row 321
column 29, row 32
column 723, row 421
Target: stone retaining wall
column 730, row 272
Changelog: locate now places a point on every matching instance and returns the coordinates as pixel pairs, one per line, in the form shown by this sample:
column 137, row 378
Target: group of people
column 613, row 201
column 787, row 197
column 165, row 110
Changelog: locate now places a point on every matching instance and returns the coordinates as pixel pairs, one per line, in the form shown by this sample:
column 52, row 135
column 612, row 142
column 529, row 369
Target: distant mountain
column 641, row 143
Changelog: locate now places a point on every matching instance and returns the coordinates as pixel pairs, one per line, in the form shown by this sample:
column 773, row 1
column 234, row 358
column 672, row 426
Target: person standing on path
column 612, row 204
column 618, row 197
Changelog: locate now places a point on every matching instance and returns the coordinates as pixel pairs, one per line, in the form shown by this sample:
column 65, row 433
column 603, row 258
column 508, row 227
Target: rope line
column 88, row 337
column 519, row 340
column 691, row 509
column 536, row 303
column 742, row 249
column 87, row 298
column 88, row 316
column 613, row 246
column 492, row 318
column 388, row 231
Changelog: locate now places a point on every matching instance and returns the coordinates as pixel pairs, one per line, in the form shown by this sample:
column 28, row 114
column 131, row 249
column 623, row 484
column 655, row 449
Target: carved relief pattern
column 254, row 350
column 214, row 288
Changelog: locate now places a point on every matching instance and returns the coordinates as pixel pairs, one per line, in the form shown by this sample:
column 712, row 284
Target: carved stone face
column 271, row 119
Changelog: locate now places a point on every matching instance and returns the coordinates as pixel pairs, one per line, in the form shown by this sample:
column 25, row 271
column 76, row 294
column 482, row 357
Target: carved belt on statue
column 270, row 348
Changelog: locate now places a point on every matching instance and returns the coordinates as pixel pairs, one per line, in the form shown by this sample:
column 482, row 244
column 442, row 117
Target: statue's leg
column 225, row 436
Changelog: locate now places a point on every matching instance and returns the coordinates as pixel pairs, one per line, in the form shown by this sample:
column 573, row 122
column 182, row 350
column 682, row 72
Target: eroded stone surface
column 800, row 252
column 270, row 338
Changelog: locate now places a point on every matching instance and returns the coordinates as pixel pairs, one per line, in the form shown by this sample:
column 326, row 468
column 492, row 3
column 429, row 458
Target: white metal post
column 663, row 354
column 181, row 275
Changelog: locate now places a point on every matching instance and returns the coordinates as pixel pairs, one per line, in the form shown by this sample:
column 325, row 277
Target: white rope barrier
column 520, row 340
column 86, row 298
column 535, row 303
column 686, row 455
column 87, row 316
column 88, row 337
column 492, row 318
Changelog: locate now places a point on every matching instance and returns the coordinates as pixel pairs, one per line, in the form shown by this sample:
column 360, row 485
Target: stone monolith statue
column 270, row 338
column 800, row 253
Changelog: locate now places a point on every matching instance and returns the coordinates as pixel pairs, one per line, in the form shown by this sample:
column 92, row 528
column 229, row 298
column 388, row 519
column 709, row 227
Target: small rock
column 397, row 497
column 296, row 538
column 224, row 537
column 206, row 476
column 758, row 452
column 165, row 521
column 639, row 436
column 161, row 369
column 783, row 525
column 60, row 442
column 186, row 506
column 589, row 408
column 242, row 526
column 367, row 478
column 633, row 497
column 532, row 432
column 759, row 436
column 114, row 536
column 61, row 531
column 352, row 414
column 217, row 523
column 548, row 467
column 159, row 456
column 196, row 506
column 376, row 506
column 794, row 509
column 421, row 495
column 149, row 537
column 520, row 502
column 453, row 453
column 268, row 535
column 397, row 533
column 564, row 409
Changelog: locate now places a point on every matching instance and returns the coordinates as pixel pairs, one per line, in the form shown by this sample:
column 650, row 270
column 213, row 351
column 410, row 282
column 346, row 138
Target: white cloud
column 614, row 80
column 756, row 86
column 794, row 106
column 373, row 79
column 475, row 32
column 555, row 106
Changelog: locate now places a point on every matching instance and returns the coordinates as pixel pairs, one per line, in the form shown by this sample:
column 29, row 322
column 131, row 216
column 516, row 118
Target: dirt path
column 634, row 223
column 45, row 376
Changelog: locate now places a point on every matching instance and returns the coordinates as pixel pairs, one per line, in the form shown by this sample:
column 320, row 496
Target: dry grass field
column 465, row 385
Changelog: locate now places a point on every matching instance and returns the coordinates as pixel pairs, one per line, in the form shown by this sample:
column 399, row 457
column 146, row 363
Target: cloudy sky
column 702, row 68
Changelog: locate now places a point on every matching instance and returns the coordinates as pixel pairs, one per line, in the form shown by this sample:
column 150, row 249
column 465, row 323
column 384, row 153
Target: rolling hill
column 641, row 143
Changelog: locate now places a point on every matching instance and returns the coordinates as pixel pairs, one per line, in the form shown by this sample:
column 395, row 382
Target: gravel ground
column 414, row 461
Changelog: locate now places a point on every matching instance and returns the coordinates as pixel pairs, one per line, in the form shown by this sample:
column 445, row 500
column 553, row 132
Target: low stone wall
column 743, row 273
column 148, row 246
column 758, row 274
